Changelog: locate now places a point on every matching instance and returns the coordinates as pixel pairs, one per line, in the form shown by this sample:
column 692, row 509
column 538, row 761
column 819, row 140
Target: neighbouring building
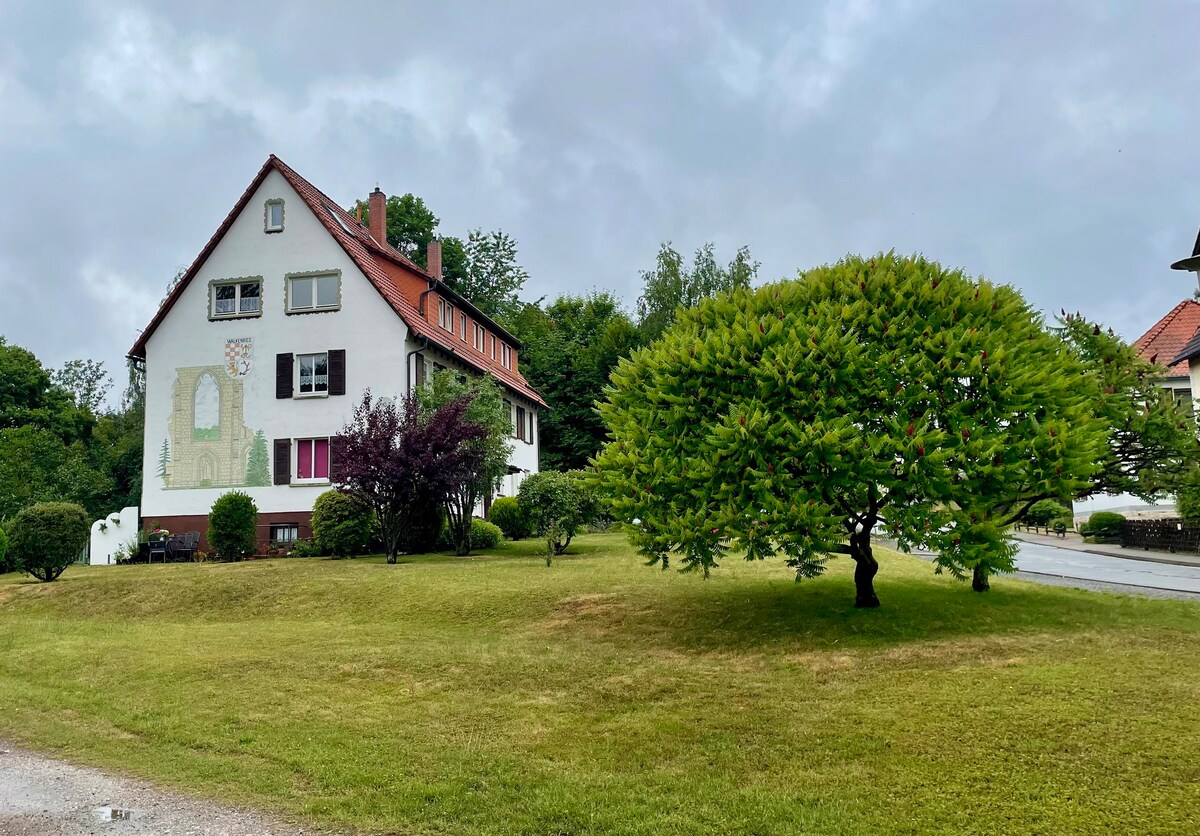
column 259, row 354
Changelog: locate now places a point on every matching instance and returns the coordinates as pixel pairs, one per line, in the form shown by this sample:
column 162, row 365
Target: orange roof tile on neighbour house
column 404, row 285
column 1167, row 338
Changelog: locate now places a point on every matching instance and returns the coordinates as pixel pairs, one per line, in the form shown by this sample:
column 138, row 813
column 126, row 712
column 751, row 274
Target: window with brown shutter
column 337, row 371
column 337, row 458
column 420, row 360
column 283, row 461
column 521, row 423
column 529, row 432
column 283, row 375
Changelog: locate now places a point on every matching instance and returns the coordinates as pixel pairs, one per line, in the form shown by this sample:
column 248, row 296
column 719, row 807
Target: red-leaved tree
column 402, row 460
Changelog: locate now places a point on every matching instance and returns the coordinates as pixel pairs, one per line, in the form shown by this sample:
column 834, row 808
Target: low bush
column 506, row 512
column 1044, row 513
column 342, row 525
column 232, row 526
column 304, row 548
column 48, row 537
column 557, row 505
column 1103, row 525
column 484, row 535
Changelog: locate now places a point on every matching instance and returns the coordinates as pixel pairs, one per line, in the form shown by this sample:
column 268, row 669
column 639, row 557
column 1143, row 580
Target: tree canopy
column 671, row 284
column 876, row 392
column 410, row 224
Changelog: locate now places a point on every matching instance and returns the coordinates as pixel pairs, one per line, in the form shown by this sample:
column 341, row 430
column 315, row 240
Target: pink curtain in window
column 304, row 460
column 321, row 458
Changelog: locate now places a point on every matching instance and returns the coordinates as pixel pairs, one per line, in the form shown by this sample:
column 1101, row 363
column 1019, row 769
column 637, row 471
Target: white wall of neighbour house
column 116, row 532
column 372, row 335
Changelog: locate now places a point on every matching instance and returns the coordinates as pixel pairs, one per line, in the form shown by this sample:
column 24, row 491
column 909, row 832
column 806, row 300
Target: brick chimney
column 377, row 207
column 433, row 258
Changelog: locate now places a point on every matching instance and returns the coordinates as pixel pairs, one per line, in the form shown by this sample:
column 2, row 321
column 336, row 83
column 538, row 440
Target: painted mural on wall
column 208, row 444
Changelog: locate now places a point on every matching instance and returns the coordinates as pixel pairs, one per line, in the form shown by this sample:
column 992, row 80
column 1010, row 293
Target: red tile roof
column 399, row 280
column 1167, row 337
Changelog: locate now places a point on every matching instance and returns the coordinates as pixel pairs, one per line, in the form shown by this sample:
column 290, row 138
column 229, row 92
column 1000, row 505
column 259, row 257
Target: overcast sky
column 1048, row 145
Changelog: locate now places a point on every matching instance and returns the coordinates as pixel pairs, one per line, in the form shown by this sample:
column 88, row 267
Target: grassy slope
column 494, row 695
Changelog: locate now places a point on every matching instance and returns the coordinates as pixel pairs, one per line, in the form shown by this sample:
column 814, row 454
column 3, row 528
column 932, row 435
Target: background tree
column 671, row 285
column 86, row 382
column 488, row 273
column 28, row 397
column 481, row 474
column 571, row 347
column 46, row 538
column 402, row 461
column 410, row 224
column 38, row 466
column 799, row 417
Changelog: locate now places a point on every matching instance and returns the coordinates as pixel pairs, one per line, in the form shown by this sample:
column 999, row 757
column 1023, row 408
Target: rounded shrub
column 506, row 512
column 342, row 525
column 484, row 535
column 1043, row 513
column 232, row 525
column 304, row 548
column 48, row 537
column 557, row 506
column 1103, row 525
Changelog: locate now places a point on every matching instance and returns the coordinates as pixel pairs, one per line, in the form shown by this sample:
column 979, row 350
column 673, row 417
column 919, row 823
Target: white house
column 258, row 356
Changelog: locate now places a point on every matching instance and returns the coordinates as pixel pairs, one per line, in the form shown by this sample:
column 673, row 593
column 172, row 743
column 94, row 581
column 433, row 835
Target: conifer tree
column 258, row 466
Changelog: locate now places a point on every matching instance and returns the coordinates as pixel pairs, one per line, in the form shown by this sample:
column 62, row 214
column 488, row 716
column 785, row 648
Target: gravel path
column 44, row 797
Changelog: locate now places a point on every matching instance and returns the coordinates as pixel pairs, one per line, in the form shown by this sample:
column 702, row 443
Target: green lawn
column 494, row 695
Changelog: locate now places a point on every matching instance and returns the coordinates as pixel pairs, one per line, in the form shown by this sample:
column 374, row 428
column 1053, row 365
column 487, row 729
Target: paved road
column 1071, row 563
column 44, row 797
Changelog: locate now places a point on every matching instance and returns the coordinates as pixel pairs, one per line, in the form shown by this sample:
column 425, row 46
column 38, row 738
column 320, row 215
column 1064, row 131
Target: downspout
column 408, row 364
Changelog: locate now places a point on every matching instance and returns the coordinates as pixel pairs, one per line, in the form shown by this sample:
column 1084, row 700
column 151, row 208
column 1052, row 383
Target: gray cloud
column 1044, row 144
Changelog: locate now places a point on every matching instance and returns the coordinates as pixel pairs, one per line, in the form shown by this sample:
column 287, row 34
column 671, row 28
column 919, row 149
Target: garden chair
column 186, row 545
column 160, row 544
column 1061, row 530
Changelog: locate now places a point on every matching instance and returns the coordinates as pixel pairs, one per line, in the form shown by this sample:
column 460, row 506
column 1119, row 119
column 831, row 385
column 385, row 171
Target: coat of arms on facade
column 239, row 356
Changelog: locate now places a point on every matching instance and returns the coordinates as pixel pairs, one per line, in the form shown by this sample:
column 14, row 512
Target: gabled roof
column 385, row 267
column 1168, row 337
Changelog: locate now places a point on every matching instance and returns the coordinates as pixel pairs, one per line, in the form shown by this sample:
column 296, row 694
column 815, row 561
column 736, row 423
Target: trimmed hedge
column 484, row 535
column 1105, row 525
column 48, row 537
column 341, row 525
column 232, row 526
column 507, row 513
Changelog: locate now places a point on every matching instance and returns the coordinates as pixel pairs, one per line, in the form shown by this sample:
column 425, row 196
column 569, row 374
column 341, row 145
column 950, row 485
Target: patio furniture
column 185, row 545
column 160, row 544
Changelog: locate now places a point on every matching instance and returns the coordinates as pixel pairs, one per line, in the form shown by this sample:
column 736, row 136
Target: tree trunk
column 979, row 580
column 865, row 567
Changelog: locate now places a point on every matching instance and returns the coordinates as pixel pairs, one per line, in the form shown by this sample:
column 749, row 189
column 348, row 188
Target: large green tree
column 672, row 284
column 410, row 224
column 882, row 393
column 484, row 269
column 29, row 397
column 485, row 410
column 570, row 348
column 86, row 381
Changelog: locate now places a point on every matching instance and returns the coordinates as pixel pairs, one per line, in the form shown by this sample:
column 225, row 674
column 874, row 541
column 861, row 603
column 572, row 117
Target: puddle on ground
column 112, row 814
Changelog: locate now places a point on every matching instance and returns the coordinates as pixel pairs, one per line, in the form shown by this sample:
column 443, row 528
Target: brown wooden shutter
column 283, row 376
column 337, row 371
column 283, row 460
column 337, row 459
column 420, row 370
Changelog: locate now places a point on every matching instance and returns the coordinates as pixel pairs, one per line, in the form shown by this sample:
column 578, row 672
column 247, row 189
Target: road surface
column 1036, row 559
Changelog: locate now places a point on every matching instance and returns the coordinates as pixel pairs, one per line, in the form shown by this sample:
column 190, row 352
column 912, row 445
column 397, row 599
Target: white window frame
column 300, row 364
column 291, row 278
column 493, row 339
column 506, row 356
column 267, row 225
column 313, row 480
column 477, row 337
column 462, row 326
column 237, row 285
column 445, row 315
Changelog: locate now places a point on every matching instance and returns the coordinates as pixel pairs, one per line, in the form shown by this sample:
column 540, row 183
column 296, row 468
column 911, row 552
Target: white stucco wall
column 366, row 327
column 376, row 341
column 112, row 533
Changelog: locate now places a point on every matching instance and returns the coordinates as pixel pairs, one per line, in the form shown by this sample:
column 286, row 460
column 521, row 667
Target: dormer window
column 506, row 356
column 273, row 216
column 462, row 326
column 232, row 298
column 445, row 316
column 477, row 335
column 313, row 292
